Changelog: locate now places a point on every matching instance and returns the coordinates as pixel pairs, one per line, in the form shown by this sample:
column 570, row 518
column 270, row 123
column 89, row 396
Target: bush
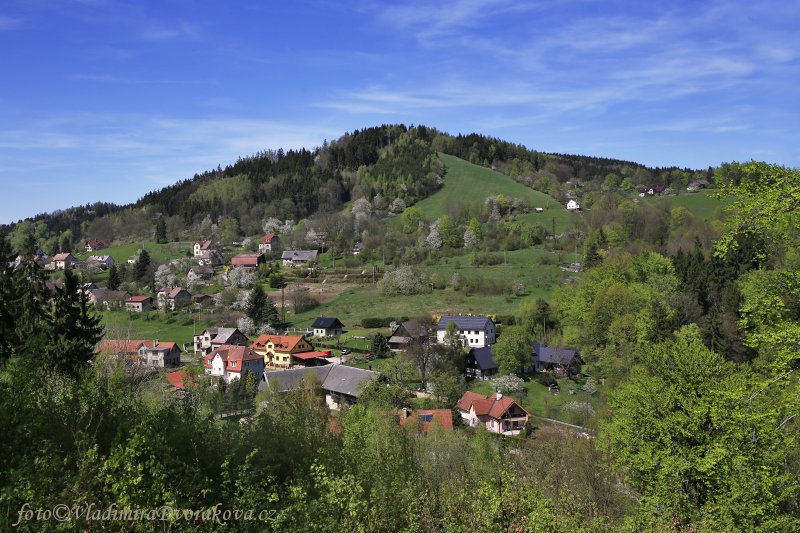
column 506, row 320
column 374, row 322
column 546, row 379
column 487, row 259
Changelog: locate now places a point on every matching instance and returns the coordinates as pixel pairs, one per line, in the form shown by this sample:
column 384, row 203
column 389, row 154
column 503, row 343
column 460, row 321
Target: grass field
column 359, row 302
column 151, row 326
column 158, row 252
column 701, row 204
column 465, row 182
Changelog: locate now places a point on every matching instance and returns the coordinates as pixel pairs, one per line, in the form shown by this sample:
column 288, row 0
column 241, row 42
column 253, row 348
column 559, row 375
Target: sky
column 104, row 100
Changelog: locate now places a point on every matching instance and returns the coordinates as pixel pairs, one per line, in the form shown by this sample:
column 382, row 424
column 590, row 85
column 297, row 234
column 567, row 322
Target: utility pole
column 283, row 302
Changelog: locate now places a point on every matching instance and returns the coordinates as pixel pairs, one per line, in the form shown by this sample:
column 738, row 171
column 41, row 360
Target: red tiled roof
column 267, row 239
column 487, row 405
column 176, row 379
column 136, row 299
column 204, row 245
column 233, row 356
column 442, row 417
column 284, row 343
column 246, row 259
column 309, row 355
column 120, row 346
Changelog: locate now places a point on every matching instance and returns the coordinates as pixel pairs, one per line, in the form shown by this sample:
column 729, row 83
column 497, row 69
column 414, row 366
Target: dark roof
column 484, row 358
column 557, row 356
column 327, row 322
column 300, row 255
column 335, row 378
column 465, row 322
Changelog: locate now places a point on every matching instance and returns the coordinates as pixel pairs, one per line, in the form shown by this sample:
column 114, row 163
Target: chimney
column 498, row 396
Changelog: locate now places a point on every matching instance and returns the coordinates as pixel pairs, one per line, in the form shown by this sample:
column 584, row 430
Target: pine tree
column 141, row 265
column 261, row 308
column 30, row 312
column 379, row 346
column 8, row 300
column 113, row 278
column 72, row 328
column 161, row 230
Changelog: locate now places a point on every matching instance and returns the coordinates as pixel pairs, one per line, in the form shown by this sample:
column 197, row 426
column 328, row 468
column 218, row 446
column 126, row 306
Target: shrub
column 546, row 379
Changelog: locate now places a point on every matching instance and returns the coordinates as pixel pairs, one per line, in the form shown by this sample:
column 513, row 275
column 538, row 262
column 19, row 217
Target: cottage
column 173, row 298
column 358, row 248
column 326, row 326
column 64, row 261
column 425, row 419
column 92, row 245
column 231, row 363
column 497, row 413
column 212, row 338
column 247, row 261
column 210, row 258
column 269, row 243
column 472, row 331
column 104, row 261
column 564, row 360
column 342, row 385
column 284, row 351
column 200, row 272
column 203, row 246
column 107, row 299
column 159, row 354
column 139, row 304
column 297, row 258
column 408, row 334
column 573, row 205
column 479, row 363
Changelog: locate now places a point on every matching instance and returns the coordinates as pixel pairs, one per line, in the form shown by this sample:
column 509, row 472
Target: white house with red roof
column 212, row 338
column 173, row 298
column 269, row 243
column 203, row 246
column 93, row 245
column 64, row 260
column 496, row 413
column 230, row 363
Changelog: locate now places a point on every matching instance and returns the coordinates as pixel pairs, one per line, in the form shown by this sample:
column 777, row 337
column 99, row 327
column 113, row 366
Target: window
column 426, row 417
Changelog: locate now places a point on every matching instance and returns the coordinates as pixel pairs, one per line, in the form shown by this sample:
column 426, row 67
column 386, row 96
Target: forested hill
column 388, row 164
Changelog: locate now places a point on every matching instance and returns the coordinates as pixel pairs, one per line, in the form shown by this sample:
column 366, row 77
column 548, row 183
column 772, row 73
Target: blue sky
column 107, row 100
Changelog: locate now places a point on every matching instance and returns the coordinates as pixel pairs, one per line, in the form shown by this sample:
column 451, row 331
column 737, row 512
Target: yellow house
column 278, row 349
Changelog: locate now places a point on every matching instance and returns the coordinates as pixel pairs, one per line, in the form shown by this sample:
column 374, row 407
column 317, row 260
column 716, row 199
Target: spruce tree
column 8, row 300
column 113, row 278
column 161, row 230
column 380, row 346
column 261, row 308
column 141, row 265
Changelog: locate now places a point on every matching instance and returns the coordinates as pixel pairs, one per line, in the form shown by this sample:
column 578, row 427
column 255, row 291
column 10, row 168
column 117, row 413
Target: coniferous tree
column 261, row 308
column 161, row 230
column 72, row 328
column 113, row 278
column 31, row 294
column 8, row 300
column 379, row 346
column 141, row 265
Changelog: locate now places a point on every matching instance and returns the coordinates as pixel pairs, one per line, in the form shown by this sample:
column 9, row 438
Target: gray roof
column 222, row 334
column 327, row 322
column 334, row 378
column 300, row 255
column 484, row 358
column 465, row 322
column 556, row 356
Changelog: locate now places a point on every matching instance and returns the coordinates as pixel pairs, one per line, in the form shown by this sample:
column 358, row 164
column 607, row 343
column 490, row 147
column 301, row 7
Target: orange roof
column 427, row 417
column 177, row 379
column 130, row 346
column 267, row 239
column 233, row 356
column 309, row 355
column 283, row 343
column 489, row 406
column 139, row 298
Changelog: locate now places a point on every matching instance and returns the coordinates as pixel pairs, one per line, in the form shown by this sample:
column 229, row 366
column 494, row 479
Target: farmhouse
column 247, row 261
column 573, row 205
column 159, row 354
column 203, row 246
column 269, row 243
column 230, row 363
column 326, row 326
column 93, row 245
column 479, row 363
column 106, row 298
column 104, row 261
column 341, row 384
column 211, row 338
column 63, row 261
column 139, row 304
column 297, row 258
column 284, row 351
column 407, row 334
column 497, row 413
column 564, row 360
column 173, row 298
column 473, row 331
column 200, row 272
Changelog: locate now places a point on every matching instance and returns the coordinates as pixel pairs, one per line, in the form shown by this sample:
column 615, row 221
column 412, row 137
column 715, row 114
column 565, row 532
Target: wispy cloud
column 159, row 31
column 8, row 23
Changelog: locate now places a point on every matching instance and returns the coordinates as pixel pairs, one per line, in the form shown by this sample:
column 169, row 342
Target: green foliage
column 513, row 350
column 379, row 346
column 142, row 263
column 261, row 308
column 114, row 279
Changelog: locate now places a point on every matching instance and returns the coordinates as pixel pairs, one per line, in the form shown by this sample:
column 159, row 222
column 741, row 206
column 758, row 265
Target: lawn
column 465, row 182
column 151, row 326
column 121, row 252
column 701, row 204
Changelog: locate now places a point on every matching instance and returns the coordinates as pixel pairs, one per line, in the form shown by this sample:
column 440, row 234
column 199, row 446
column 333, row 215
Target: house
column 269, row 243
column 63, row 261
column 106, row 298
column 326, row 326
column 284, row 351
column 697, row 185
column 179, row 380
column 210, row 258
column 573, row 205
column 104, row 261
column 297, row 258
column 129, row 348
column 92, row 245
column 230, row 363
column 408, row 333
column 497, row 413
column 203, row 246
column 479, row 363
column 564, row 360
column 173, row 298
column 341, row 384
column 473, row 331
column 159, row 354
column 427, row 418
column 211, row 338
column 247, row 261
column 38, row 256
column 139, row 304
column 200, row 272
column 358, row 248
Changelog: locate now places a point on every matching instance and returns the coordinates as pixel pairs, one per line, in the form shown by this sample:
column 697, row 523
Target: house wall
column 473, row 338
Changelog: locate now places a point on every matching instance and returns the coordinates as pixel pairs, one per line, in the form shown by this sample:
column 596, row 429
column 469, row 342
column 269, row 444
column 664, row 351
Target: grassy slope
column 702, row 204
column 121, row 252
column 468, row 183
column 178, row 328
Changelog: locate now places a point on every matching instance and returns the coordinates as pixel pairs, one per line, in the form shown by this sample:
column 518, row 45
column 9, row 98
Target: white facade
column 472, row 338
column 572, row 205
column 234, row 369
